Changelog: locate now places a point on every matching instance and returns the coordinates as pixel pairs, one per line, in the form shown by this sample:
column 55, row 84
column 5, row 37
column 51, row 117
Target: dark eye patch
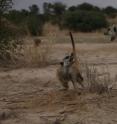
column 67, row 57
column 70, row 58
column 115, row 29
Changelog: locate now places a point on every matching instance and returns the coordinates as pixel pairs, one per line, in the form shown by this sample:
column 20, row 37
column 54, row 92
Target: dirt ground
column 34, row 95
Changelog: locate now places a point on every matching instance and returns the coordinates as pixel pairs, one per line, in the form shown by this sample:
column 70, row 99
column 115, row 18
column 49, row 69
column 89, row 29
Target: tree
column 24, row 12
column 88, row 7
column 85, row 21
column 58, row 11
column 34, row 9
column 35, row 25
column 5, row 5
column 72, row 8
column 110, row 11
column 47, row 8
column 58, row 8
column 17, row 16
column 54, row 12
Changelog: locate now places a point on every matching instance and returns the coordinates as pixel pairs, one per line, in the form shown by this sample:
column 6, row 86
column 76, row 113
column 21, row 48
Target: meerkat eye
column 67, row 57
column 109, row 29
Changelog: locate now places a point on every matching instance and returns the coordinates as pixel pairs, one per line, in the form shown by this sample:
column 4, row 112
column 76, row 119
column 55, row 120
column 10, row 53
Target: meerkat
column 111, row 32
column 69, row 70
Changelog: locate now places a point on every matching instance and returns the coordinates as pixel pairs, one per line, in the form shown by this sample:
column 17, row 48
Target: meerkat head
column 67, row 60
column 112, row 32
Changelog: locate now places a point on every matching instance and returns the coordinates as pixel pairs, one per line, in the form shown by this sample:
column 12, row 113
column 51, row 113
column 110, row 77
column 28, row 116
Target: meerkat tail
column 73, row 45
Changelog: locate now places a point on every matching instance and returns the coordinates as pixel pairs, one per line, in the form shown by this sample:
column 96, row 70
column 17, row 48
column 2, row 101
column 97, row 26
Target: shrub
column 98, row 82
column 9, row 40
column 35, row 25
column 37, row 56
column 85, row 21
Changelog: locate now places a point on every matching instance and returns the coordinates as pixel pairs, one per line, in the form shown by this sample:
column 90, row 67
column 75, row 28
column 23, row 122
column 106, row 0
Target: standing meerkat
column 111, row 32
column 69, row 70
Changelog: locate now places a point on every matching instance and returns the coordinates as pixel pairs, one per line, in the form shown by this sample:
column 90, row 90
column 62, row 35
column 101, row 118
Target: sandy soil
column 34, row 95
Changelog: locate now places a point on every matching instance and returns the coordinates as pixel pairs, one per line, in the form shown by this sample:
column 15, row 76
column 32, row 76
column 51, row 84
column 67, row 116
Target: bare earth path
column 34, row 96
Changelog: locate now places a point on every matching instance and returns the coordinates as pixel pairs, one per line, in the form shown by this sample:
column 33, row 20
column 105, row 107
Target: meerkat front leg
column 65, row 85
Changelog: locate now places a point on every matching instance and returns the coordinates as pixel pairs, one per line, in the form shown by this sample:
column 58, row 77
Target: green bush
column 84, row 21
column 35, row 25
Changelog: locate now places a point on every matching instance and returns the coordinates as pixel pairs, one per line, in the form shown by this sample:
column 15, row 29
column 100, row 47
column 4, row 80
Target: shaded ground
column 34, row 96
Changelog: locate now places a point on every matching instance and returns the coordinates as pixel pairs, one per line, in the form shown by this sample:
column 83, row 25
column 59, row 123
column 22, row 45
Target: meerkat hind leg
column 76, row 87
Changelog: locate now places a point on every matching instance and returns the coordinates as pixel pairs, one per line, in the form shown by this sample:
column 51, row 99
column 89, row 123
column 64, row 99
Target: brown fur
column 72, row 75
column 70, row 72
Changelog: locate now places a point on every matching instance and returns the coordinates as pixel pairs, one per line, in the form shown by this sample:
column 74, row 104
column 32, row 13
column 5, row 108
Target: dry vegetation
column 30, row 92
column 34, row 95
column 28, row 55
column 37, row 55
column 98, row 81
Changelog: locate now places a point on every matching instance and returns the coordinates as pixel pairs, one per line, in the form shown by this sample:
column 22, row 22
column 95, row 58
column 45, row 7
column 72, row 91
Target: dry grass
column 28, row 55
column 37, row 55
column 98, row 82
column 53, row 30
